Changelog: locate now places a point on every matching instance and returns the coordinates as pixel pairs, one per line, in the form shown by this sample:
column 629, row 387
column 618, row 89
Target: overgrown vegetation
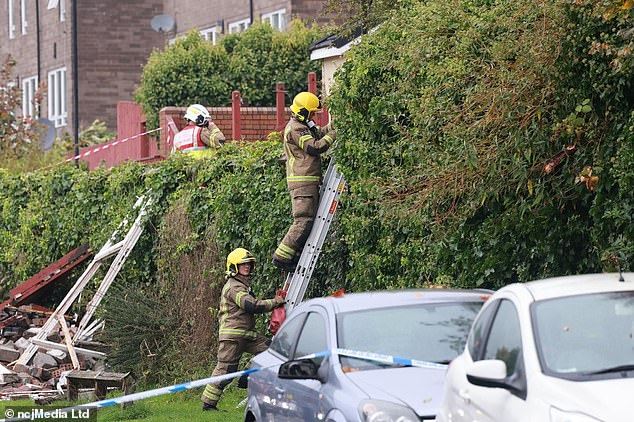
column 483, row 139
column 195, row 71
column 18, row 135
column 21, row 137
column 484, row 142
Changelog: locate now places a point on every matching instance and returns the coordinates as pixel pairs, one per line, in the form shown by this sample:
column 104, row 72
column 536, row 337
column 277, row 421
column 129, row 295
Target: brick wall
column 256, row 122
column 114, row 44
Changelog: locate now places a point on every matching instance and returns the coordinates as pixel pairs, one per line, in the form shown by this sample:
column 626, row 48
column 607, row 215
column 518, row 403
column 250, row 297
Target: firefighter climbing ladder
column 122, row 249
column 297, row 282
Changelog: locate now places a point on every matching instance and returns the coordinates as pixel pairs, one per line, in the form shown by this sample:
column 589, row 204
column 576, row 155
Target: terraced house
column 113, row 39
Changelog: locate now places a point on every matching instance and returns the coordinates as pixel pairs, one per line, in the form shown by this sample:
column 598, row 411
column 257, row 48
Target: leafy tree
column 18, row 135
column 195, row 71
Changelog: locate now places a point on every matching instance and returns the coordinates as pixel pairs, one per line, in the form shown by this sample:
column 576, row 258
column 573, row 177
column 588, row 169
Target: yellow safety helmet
column 304, row 103
column 237, row 257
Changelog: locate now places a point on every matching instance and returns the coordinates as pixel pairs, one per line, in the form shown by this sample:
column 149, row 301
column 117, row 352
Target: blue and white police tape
column 377, row 357
column 167, row 390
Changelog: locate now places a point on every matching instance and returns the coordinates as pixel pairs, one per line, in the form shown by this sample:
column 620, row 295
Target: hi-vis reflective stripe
column 232, row 331
column 167, row 390
column 303, row 178
column 215, row 380
column 239, row 297
column 303, row 139
column 328, row 139
column 224, row 307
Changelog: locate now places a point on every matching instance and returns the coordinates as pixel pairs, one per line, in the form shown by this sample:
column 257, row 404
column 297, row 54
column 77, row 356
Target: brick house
column 228, row 17
column 114, row 41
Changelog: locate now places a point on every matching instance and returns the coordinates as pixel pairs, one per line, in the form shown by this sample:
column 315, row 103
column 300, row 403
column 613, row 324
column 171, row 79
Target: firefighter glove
column 279, row 301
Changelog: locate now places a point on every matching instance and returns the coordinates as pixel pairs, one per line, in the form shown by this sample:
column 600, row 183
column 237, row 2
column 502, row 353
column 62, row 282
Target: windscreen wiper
column 620, row 368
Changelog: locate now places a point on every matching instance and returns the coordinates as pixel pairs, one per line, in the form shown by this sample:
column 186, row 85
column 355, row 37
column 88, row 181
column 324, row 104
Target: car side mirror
column 300, row 369
column 488, row 373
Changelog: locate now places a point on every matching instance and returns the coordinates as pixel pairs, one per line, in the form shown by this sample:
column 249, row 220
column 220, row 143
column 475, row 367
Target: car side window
column 477, row 337
column 313, row 338
column 284, row 340
column 505, row 340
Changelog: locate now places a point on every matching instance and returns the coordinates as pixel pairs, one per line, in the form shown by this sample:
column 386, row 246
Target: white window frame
column 52, row 4
column 23, row 16
column 11, row 19
column 239, row 26
column 57, row 111
column 211, row 34
column 281, row 19
column 29, row 87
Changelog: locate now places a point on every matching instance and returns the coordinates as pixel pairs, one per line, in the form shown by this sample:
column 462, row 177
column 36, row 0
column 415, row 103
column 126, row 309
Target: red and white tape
column 106, row 146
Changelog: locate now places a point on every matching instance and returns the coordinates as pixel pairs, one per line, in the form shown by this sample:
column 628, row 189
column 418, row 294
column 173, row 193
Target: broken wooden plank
column 59, row 346
column 69, row 342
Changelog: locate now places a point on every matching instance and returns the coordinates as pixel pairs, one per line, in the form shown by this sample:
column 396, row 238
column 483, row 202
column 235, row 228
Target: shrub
column 195, row 71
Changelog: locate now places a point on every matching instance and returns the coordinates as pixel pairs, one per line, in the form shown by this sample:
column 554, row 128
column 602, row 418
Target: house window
column 239, row 26
column 57, row 97
column 11, row 20
column 52, row 4
column 23, row 16
column 29, row 86
column 211, row 34
column 276, row 19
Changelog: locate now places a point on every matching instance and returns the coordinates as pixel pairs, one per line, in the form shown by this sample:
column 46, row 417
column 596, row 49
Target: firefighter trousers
column 305, row 202
column 229, row 353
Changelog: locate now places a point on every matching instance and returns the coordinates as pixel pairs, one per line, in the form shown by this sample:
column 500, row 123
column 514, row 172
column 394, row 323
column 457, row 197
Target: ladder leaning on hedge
column 122, row 249
column 297, row 282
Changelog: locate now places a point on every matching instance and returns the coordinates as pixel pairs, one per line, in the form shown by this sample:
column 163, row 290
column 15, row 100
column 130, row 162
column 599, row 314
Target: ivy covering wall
column 484, row 142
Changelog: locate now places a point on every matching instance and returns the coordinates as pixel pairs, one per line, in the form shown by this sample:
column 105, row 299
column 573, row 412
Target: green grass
column 185, row 406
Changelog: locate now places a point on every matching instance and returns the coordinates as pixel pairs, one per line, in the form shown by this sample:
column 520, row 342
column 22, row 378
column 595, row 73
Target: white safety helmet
column 197, row 114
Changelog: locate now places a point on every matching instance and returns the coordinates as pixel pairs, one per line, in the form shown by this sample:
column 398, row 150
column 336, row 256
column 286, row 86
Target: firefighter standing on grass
column 236, row 315
column 304, row 142
column 201, row 137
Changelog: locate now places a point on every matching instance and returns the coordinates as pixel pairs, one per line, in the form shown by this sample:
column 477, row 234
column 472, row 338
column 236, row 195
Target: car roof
column 350, row 302
column 550, row 288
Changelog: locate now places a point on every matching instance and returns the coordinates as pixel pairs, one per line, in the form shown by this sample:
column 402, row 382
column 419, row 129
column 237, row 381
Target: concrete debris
column 19, row 329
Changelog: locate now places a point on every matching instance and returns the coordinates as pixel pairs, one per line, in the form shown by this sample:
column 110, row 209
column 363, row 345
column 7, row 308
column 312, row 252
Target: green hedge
column 456, row 118
column 466, row 133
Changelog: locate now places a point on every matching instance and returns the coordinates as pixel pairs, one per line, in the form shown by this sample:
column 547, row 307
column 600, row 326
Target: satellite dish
column 47, row 133
column 163, row 23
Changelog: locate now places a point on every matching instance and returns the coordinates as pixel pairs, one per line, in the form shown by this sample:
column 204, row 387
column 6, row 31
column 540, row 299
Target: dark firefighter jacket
column 303, row 147
column 238, row 307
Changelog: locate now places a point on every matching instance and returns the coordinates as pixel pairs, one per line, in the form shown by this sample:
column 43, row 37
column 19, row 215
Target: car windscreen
column 586, row 336
column 434, row 332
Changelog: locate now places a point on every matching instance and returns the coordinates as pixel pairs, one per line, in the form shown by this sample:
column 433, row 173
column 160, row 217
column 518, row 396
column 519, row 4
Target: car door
column 264, row 385
column 457, row 401
column 502, row 342
column 303, row 395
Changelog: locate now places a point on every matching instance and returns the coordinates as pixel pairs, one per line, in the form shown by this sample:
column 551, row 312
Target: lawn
column 184, row 406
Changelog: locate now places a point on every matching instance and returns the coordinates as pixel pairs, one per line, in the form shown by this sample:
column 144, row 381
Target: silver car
column 424, row 325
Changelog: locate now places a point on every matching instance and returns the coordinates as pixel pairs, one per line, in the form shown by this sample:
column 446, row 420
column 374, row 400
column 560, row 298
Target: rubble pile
column 47, row 366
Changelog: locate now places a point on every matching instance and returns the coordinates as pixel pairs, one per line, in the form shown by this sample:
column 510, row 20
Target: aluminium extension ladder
column 84, row 330
column 297, row 282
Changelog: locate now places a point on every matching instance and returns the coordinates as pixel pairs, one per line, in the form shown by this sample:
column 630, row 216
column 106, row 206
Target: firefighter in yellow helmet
column 236, row 315
column 304, row 142
column 201, row 137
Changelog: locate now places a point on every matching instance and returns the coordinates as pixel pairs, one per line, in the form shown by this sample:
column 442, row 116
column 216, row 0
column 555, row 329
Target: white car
column 556, row 350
